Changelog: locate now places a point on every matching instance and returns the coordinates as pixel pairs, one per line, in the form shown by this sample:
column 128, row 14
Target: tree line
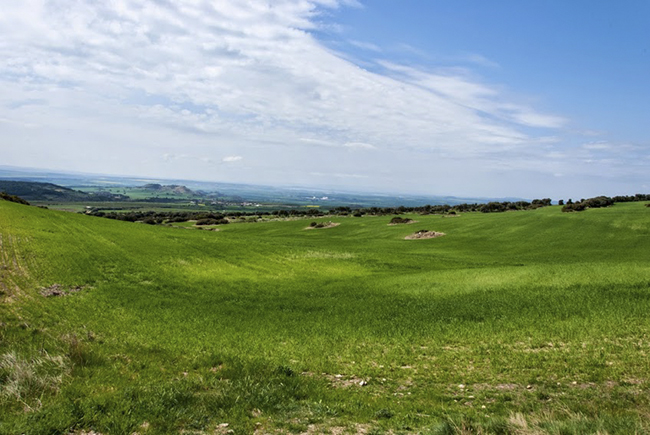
column 157, row 217
column 601, row 201
column 215, row 218
column 13, row 198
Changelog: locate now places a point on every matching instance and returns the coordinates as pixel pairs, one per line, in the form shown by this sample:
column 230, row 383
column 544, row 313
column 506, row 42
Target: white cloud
column 597, row 146
column 120, row 81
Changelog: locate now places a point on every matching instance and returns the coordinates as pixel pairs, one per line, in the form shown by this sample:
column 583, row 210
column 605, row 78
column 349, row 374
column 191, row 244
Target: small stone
column 363, row 383
column 461, row 386
column 529, row 387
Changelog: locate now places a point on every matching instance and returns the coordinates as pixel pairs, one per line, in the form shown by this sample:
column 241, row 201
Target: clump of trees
column 632, row 198
column 583, row 204
column 491, row 207
column 13, row 198
column 212, row 221
column 157, row 217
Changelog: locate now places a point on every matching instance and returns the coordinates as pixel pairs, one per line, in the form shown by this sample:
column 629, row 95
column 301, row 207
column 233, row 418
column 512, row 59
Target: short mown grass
column 522, row 322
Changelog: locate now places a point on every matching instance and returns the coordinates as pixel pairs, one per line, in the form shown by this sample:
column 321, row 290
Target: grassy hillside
column 523, row 322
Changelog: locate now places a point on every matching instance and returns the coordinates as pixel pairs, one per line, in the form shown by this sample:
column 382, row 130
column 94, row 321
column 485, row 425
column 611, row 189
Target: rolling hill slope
column 522, row 322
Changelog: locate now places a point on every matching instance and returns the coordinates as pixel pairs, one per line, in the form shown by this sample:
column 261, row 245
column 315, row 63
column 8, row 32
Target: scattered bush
column 400, row 220
column 284, row 370
column 13, row 198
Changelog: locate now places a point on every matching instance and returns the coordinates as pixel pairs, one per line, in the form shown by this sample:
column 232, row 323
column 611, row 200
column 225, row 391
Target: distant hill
column 171, row 188
column 33, row 191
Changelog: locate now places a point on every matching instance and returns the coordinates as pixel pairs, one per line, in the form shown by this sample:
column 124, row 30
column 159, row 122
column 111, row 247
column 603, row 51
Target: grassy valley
column 519, row 322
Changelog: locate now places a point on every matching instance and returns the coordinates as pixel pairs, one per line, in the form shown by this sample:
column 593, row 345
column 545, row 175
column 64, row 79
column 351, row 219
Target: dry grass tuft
column 26, row 380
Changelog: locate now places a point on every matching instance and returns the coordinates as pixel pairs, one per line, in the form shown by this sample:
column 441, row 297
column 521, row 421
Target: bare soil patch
column 56, row 290
column 322, row 225
column 341, row 381
column 424, row 234
column 401, row 221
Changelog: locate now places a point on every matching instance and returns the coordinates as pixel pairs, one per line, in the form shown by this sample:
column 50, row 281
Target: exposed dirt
column 424, row 234
column 56, row 290
column 404, row 222
column 323, row 225
column 341, row 381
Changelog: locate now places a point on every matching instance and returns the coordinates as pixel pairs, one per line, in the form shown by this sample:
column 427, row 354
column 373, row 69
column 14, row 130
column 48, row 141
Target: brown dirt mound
column 323, row 225
column 404, row 222
column 424, row 234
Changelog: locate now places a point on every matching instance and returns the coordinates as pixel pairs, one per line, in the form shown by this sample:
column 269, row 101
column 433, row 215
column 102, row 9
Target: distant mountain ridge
column 37, row 191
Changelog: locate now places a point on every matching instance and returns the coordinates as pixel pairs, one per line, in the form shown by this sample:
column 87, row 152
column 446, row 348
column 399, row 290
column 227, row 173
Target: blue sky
column 501, row 98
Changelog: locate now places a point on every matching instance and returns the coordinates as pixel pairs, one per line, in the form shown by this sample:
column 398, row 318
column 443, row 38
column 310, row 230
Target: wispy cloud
column 366, row 46
column 230, row 159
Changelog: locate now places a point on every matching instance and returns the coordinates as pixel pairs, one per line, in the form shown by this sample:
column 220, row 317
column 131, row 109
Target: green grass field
column 523, row 322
